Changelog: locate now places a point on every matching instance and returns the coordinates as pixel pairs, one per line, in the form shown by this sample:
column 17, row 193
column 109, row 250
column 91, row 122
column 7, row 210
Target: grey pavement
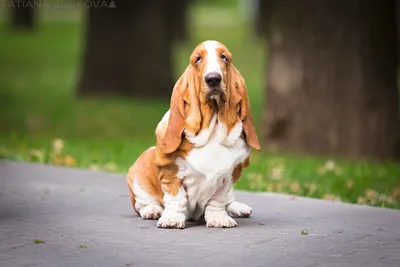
column 67, row 208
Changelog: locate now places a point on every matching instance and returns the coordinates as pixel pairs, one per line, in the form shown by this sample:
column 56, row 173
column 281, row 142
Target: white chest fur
column 209, row 165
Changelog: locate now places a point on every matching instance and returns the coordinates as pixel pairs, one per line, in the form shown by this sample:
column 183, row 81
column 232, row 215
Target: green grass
column 43, row 122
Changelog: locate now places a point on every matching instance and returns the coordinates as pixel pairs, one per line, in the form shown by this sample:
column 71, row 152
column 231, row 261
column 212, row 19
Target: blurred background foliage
column 45, row 120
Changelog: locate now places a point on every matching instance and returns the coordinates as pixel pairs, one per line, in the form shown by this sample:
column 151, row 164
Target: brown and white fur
column 203, row 142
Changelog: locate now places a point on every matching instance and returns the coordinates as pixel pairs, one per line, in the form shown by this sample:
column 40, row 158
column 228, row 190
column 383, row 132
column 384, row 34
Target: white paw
column 151, row 212
column 219, row 219
column 238, row 210
column 172, row 219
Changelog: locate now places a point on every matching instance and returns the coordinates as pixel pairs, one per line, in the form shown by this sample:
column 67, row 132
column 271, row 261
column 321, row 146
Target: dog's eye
column 224, row 58
column 198, row 59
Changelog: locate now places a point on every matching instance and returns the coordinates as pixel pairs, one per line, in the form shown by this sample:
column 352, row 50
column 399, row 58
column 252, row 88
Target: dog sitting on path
column 203, row 143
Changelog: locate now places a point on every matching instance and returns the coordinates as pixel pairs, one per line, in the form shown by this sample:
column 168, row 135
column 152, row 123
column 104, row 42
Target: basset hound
column 203, row 142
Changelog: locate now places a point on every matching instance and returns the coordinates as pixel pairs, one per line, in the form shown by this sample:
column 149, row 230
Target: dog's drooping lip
column 216, row 96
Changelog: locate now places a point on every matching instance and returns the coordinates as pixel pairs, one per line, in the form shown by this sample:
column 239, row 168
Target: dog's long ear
column 244, row 112
column 172, row 137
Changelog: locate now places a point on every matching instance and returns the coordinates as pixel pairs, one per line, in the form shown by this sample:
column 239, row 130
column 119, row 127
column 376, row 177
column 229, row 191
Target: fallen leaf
column 361, row 200
column 295, row 187
column 386, row 199
column 330, row 165
column 94, row 167
column 277, row 172
column 396, row 193
column 69, row 161
column 58, row 145
column 331, row 197
column 371, row 194
column 111, row 166
column 304, row 232
column 36, row 155
column 57, row 160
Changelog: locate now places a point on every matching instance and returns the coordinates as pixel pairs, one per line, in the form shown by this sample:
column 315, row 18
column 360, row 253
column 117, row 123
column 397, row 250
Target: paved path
column 67, row 208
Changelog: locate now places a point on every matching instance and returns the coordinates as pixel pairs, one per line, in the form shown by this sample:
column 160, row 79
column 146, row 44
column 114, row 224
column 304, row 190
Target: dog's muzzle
column 214, row 91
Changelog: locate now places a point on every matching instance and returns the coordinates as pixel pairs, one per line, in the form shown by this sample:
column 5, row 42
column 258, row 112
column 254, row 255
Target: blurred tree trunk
column 128, row 49
column 22, row 14
column 332, row 78
column 176, row 19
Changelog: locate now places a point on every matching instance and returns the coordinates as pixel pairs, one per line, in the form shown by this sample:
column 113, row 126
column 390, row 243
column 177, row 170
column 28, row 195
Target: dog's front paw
column 238, row 210
column 219, row 219
column 172, row 219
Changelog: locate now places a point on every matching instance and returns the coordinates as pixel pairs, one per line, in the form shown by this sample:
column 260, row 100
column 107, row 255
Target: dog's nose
column 213, row 79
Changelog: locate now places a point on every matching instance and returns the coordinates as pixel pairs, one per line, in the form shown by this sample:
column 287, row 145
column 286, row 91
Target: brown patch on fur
column 168, row 170
column 170, row 183
column 207, row 113
column 166, row 162
column 145, row 171
column 237, row 171
column 244, row 111
column 169, row 136
column 231, row 112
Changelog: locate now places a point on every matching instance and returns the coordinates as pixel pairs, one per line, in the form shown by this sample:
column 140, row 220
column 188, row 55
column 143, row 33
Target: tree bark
column 22, row 14
column 332, row 78
column 176, row 19
column 128, row 50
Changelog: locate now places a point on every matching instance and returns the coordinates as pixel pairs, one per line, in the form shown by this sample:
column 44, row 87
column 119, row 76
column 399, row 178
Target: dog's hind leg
column 144, row 187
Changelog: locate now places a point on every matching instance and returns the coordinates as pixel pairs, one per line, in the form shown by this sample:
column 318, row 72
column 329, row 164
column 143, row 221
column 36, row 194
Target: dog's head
column 210, row 79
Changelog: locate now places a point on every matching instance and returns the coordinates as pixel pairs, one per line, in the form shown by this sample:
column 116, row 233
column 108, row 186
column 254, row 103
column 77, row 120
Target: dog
column 203, row 142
